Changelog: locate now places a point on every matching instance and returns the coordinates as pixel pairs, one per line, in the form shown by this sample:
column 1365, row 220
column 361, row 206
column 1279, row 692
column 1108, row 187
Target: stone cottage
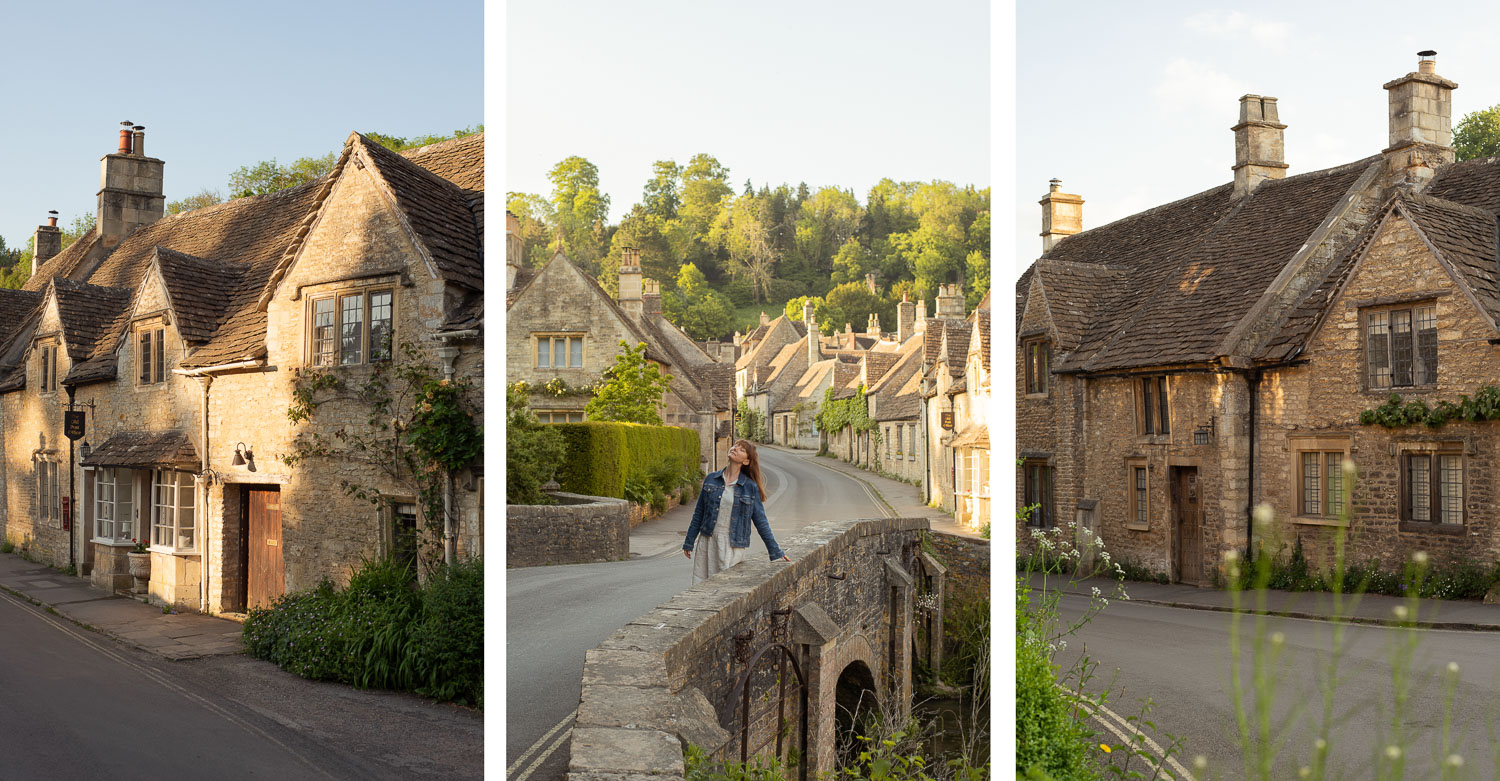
column 563, row 331
column 179, row 340
column 1183, row 365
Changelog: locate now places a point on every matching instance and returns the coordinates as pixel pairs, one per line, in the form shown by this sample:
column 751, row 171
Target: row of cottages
column 1181, row 366
column 926, row 388
column 180, row 338
column 563, row 331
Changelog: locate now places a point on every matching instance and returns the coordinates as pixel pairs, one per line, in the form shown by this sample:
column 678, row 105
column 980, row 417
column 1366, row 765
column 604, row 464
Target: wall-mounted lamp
column 1204, row 433
column 243, row 456
column 84, row 451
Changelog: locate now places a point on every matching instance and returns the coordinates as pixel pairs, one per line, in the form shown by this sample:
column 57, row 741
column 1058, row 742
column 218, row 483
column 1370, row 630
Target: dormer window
column 150, row 354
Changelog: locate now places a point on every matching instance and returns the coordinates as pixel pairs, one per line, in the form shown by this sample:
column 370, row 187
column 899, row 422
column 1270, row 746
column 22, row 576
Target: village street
column 555, row 614
column 75, row 703
column 1180, row 659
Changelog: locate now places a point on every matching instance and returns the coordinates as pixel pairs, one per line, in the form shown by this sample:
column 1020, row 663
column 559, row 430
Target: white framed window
column 172, row 504
column 351, row 327
column 48, row 494
column 559, row 351
column 911, row 455
column 150, row 355
column 114, row 506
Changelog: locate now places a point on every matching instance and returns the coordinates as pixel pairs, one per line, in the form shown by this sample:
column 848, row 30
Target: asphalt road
column 74, row 704
column 1180, row 659
column 555, row 614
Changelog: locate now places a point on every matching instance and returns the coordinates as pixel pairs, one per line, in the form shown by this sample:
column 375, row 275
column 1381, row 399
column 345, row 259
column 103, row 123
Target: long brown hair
column 753, row 467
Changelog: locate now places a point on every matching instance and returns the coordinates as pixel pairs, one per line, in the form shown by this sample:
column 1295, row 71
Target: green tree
column 852, row 262
column 268, row 176
column 632, row 389
column 662, row 196
column 705, row 188
column 857, row 303
column 533, row 451
column 581, row 210
column 741, row 231
column 537, row 225
column 643, row 231
column 824, row 222
column 1477, row 134
column 198, row 200
column 701, row 311
column 401, row 144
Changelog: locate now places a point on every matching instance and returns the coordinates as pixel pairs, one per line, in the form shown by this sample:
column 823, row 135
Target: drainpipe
column 203, row 525
column 1252, row 381
column 72, row 495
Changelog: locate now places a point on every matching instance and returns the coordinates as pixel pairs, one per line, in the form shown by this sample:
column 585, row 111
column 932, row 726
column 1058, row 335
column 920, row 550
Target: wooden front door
column 266, row 573
column 1187, row 508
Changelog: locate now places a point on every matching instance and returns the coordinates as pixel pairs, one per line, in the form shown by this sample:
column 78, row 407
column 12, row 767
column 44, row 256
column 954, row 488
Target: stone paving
column 173, row 636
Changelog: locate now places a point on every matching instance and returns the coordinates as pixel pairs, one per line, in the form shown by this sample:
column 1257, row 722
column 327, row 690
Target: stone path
column 169, row 635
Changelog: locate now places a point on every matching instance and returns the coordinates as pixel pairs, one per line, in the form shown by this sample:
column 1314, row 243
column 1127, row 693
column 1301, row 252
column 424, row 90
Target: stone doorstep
column 616, row 750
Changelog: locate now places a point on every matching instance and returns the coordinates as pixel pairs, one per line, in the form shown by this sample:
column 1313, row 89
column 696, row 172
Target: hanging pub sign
column 73, row 425
column 947, row 421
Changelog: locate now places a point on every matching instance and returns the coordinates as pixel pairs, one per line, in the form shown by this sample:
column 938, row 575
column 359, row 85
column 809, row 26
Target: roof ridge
column 436, row 145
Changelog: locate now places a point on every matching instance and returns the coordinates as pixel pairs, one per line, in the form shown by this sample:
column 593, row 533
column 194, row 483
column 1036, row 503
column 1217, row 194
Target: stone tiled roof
column 1464, row 237
column 982, row 319
column 64, row 263
column 87, row 313
column 877, row 364
column 146, row 450
column 844, row 374
column 198, row 289
column 1023, row 289
column 522, row 281
column 1471, row 183
column 1074, row 292
column 960, row 385
column 466, row 316
column 437, row 210
column 459, row 160
column 16, row 308
column 1304, row 318
column 720, row 380
column 897, row 391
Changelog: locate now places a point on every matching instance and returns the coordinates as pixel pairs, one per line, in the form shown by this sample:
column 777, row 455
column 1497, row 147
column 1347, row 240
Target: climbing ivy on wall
column 841, row 413
column 1485, row 405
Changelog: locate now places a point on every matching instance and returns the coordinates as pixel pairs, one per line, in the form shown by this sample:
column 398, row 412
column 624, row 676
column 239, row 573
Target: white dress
column 712, row 554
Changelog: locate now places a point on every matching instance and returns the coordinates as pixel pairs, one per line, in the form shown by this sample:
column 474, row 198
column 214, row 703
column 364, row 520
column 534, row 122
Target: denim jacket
column 747, row 510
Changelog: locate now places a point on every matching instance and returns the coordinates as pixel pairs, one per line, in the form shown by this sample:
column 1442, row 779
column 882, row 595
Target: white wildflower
column 1321, row 745
column 1104, row 554
column 1304, row 772
column 1263, row 514
column 1277, row 639
column 1350, row 470
column 1097, row 593
column 1454, row 760
column 1200, row 762
column 1393, row 752
column 1453, row 668
column 1419, row 558
column 1400, row 611
column 1232, row 556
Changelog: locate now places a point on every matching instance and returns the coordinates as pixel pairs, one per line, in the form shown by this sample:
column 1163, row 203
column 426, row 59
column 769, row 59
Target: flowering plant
column 140, row 547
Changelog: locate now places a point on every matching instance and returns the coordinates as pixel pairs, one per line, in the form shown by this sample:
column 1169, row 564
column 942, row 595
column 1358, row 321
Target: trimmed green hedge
column 600, row 456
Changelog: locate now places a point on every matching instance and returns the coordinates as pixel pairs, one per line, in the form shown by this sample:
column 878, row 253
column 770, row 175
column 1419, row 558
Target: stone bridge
column 843, row 610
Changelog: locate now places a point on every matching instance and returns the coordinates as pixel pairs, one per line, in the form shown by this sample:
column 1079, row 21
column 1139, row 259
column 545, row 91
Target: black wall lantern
column 1204, row 434
column 243, row 456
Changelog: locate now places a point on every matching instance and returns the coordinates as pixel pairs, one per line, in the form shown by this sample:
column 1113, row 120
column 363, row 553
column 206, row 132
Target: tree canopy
column 632, row 389
column 1477, row 134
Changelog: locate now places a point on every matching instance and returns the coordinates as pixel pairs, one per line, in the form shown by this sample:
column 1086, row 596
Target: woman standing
column 724, row 518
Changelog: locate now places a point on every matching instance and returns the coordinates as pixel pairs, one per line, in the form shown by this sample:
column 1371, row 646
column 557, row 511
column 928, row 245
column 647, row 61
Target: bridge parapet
column 843, row 605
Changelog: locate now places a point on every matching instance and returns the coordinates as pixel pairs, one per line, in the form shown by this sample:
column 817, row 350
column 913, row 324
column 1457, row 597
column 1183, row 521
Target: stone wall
column 968, row 562
column 1316, row 408
column 668, row 678
column 577, row 530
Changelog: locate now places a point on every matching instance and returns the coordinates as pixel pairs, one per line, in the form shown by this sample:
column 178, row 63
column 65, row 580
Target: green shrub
column 7, row 546
column 382, row 631
column 601, row 456
column 1048, row 739
column 533, row 451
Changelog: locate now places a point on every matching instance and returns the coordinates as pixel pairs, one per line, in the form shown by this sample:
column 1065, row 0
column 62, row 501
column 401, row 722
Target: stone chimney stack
column 950, row 302
column 651, row 298
column 872, row 326
column 1421, row 124
column 764, row 320
column 130, row 188
column 1259, row 148
column 48, row 242
column 849, row 336
column 630, row 281
column 906, row 316
column 1062, row 215
column 921, row 324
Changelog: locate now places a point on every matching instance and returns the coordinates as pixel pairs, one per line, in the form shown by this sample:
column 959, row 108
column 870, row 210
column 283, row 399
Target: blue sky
column 218, row 86
column 1131, row 104
column 826, row 92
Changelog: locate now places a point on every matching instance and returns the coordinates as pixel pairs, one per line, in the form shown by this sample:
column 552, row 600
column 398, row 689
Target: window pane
column 1451, row 489
column 1426, row 357
column 543, row 354
column 560, row 352
column 144, row 354
column 1334, row 468
column 380, row 325
column 1312, row 494
column 1378, row 339
column 575, row 356
column 1043, row 364
column 185, row 507
column 1419, row 487
column 1147, row 405
column 124, row 493
column 1140, row 495
column 351, row 328
column 1163, row 420
column 159, row 355
column 323, row 328
column 1401, row 348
